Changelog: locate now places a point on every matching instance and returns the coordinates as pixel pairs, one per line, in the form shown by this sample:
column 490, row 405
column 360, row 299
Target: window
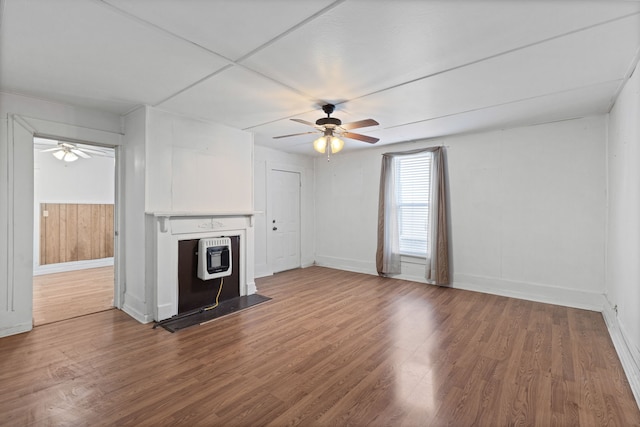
column 412, row 213
column 413, row 189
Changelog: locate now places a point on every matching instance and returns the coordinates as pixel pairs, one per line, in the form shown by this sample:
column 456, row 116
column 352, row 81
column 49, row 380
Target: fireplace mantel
column 164, row 216
column 171, row 227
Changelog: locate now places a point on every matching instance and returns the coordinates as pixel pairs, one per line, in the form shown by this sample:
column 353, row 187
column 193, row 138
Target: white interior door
column 284, row 220
column 16, row 221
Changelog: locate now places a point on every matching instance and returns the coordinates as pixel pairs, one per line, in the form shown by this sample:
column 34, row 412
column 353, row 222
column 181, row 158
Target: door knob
column 275, row 228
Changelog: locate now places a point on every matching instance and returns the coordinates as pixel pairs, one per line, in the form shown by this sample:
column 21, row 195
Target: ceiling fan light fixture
column 320, row 144
column 70, row 157
column 336, row 144
column 65, row 155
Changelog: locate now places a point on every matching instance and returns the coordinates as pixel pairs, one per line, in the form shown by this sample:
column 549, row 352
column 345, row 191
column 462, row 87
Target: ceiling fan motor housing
column 328, row 122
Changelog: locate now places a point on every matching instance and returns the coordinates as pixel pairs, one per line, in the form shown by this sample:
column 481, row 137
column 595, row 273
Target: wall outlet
column 45, row 213
column 615, row 308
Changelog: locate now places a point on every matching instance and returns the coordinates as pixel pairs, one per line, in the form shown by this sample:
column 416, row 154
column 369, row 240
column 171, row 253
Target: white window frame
column 413, row 191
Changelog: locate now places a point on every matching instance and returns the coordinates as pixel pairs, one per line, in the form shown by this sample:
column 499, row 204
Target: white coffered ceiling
column 420, row 68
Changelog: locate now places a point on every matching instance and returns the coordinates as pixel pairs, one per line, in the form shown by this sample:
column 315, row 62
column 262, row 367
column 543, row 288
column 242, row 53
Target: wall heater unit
column 214, row 258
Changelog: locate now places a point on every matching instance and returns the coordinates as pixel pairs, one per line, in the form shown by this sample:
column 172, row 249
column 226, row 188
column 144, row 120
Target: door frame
column 282, row 167
column 98, row 138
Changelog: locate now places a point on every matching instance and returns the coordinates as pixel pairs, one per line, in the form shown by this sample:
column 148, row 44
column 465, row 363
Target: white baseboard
column 489, row 285
column 135, row 308
column 627, row 353
column 531, row 291
column 251, row 288
column 15, row 329
column 262, row 270
column 352, row 265
column 165, row 311
column 72, row 266
column 142, row 318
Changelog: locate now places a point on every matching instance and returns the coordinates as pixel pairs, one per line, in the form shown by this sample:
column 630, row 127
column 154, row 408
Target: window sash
column 413, row 191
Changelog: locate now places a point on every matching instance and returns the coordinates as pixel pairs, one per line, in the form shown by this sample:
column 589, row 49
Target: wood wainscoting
column 75, row 232
column 332, row 348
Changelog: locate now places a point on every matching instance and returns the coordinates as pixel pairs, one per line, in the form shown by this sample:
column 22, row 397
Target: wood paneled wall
column 75, row 232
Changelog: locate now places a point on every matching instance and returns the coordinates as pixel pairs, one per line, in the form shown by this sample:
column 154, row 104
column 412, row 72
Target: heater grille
column 214, row 258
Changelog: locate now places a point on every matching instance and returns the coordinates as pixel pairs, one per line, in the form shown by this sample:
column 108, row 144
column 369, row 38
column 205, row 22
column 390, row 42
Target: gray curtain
column 387, row 253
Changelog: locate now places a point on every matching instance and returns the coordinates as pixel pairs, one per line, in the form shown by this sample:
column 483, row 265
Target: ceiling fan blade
column 293, row 134
column 359, row 124
column 90, row 151
column 304, row 122
column 80, row 153
column 48, row 150
column 369, row 139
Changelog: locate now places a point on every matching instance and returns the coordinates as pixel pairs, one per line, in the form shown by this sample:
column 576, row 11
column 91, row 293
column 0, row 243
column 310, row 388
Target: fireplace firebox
column 195, row 293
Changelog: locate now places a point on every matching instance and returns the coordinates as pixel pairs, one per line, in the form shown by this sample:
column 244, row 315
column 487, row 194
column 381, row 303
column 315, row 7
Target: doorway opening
column 74, row 217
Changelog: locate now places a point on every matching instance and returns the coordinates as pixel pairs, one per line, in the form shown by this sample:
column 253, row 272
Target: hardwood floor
column 61, row 296
column 332, row 348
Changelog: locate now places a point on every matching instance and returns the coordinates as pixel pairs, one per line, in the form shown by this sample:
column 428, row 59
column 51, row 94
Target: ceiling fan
column 332, row 130
column 70, row 152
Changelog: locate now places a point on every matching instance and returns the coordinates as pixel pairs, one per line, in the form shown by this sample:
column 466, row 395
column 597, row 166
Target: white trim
column 308, row 264
column 251, row 288
column 135, row 307
column 202, row 213
column 118, row 221
column 489, row 285
column 16, row 329
column 629, row 355
column 22, row 122
column 531, row 291
column 11, row 119
column 97, row 138
column 55, row 130
column 72, row 266
column 354, row 265
column 412, row 259
column 262, row 270
column 165, row 311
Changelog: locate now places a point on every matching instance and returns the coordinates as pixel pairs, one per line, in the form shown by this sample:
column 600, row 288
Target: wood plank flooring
column 332, row 348
column 61, row 296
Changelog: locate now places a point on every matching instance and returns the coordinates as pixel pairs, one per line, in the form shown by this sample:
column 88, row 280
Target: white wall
column 527, row 211
column 347, row 208
column 89, row 180
column 193, row 165
column 264, row 160
column 83, row 181
column 623, row 229
column 16, row 191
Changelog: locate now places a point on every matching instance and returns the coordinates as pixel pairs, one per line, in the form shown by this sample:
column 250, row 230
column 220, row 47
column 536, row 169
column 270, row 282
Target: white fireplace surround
column 171, row 227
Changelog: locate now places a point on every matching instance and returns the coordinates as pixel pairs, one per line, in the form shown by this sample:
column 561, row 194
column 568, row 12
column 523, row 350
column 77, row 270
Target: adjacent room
column 74, row 193
column 347, row 212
